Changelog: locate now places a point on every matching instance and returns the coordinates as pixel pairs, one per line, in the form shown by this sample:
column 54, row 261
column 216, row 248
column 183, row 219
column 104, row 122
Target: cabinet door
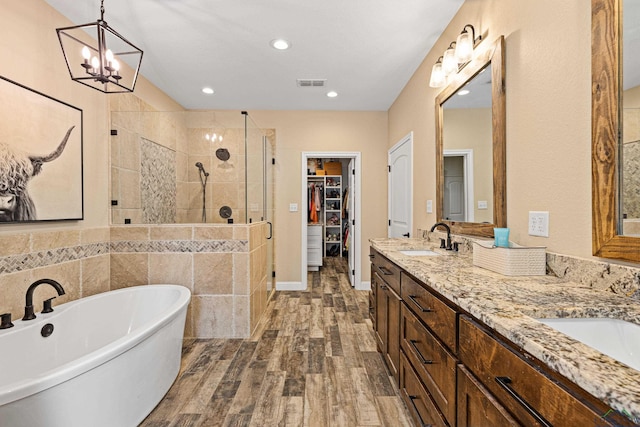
column 381, row 313
column 476, row 405
column 393, row 332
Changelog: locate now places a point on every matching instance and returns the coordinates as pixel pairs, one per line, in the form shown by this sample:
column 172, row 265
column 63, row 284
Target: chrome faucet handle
column 5, row 321
column 46, row 305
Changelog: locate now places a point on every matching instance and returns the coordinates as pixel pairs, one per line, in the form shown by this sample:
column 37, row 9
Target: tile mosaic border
column 21, row 262
column 180, row 246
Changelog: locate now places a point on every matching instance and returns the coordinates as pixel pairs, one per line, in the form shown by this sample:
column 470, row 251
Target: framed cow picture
column 40, row 156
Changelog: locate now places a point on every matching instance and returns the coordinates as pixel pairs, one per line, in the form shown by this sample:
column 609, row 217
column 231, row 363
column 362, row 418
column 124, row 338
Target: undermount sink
column 419, row 252
column 615, row 338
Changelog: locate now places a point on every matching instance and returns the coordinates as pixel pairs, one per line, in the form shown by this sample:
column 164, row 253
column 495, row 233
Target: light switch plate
column 293, row 207
column 539, row 223
column 429, row 206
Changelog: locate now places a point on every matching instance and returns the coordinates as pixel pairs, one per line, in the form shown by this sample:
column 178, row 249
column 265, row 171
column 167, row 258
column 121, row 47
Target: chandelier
column 109, row 63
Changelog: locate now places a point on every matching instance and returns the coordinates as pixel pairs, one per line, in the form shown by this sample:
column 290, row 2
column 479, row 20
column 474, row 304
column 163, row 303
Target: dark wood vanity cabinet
column 531, row 393
column 454, row 371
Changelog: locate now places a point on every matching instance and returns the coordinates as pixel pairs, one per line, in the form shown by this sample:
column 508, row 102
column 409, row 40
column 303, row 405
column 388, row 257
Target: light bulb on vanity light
column 449, row 61
column 438, row 79
column 464, row 46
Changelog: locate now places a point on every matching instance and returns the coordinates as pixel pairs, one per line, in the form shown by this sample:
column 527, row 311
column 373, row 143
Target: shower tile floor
column 312, row 362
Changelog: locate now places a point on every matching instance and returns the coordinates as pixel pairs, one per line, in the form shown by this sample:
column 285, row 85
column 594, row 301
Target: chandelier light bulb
column 95, row 62
column 116, row 65
column 86, row 54
column 109, row 55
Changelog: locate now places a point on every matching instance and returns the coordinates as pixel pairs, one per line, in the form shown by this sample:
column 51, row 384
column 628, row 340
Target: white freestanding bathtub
column 109, row 361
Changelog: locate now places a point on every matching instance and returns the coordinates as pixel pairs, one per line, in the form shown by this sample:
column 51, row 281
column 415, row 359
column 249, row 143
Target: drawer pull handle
column 386, row 271
column 371, row 256
column 420, row 356
column 384, row 287
column 504, row 383
column 421, row 308
column 415, row 408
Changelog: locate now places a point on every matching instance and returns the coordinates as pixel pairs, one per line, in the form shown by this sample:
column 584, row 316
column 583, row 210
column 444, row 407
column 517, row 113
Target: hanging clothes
column 345, row 204
column 313, row 212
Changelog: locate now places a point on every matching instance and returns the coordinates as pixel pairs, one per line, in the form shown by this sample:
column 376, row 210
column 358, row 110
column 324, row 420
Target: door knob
column 406, row 234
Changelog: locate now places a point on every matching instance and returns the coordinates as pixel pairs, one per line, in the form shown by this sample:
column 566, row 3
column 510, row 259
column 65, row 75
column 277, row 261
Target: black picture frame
column 41, row 156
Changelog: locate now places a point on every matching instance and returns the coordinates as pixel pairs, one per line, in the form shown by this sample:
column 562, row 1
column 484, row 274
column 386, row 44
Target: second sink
column 615, row 338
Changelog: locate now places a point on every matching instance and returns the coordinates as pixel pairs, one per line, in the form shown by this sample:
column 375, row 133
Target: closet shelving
column 332, row 215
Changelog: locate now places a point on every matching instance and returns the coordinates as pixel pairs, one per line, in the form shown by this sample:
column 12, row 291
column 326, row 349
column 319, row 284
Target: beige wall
column 548, row 81
column 32, row 56
column 298, row 131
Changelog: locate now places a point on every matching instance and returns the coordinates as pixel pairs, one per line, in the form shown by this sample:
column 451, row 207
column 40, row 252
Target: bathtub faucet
column 28, row 308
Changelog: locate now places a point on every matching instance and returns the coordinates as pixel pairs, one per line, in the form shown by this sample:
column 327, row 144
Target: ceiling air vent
column 311, row 82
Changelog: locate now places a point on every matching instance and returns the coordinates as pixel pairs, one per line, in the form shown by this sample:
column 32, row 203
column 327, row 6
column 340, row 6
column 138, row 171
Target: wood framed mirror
column 490, row 211
column 609, row 240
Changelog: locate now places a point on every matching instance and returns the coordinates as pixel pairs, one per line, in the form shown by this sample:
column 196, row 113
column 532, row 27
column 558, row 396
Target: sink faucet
column 446, row 227
column 28, row 308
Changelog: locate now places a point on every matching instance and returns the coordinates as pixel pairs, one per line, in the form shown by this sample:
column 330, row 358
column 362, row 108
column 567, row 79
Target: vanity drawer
column 435, row 366
column 525, row 391
column 437, row 315
column 421, row 407
column 389, row 272
column 477, row 406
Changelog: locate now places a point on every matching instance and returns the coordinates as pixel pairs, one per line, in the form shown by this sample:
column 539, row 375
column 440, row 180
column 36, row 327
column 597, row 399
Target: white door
column 401, row 188
column 351, row 206
column 453, row 203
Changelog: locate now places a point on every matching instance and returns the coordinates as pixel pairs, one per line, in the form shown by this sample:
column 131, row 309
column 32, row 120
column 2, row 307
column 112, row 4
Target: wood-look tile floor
column 311, row 362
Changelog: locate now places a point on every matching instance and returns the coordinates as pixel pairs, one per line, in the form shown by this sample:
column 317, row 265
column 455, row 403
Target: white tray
column 515, row 260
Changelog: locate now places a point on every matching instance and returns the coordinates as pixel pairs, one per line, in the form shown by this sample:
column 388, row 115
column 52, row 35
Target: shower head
column 199, row 166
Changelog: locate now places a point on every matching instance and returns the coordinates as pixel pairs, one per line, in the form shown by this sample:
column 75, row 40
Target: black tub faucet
column 28, row 308
column 446, row 227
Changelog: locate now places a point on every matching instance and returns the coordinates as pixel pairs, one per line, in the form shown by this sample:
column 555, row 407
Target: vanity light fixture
column 457, row 55
column 99, row 63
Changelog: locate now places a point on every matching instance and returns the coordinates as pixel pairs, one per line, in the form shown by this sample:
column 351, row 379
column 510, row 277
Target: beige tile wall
column 224, row 266
column 77, row 259
column 226, row 181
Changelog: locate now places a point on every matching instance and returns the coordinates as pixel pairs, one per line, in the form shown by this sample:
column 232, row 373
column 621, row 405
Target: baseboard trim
column 364, row 286
column 289, row 286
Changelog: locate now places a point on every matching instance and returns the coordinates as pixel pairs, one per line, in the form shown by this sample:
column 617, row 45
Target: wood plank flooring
column 311, row 362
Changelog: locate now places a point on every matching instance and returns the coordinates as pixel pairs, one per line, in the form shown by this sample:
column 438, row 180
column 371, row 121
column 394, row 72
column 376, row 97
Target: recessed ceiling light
column 207, row 90
column 332, row 94
column 280, row 44
column 463, row 92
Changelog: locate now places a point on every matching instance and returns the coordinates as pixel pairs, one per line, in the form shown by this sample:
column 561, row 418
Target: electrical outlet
column 293, row 207
column 482, row 204
column 539, row 223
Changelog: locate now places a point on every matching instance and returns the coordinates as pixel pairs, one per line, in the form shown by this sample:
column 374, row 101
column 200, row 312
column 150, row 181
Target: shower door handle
column 270, row 230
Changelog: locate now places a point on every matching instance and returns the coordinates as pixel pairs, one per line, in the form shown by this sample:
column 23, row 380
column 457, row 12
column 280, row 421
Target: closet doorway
column 331, row 214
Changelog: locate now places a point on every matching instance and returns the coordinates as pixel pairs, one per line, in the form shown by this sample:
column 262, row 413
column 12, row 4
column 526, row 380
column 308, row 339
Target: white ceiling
column 366, row 49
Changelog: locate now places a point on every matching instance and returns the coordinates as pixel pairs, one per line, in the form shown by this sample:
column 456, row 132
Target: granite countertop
column 510, row 305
